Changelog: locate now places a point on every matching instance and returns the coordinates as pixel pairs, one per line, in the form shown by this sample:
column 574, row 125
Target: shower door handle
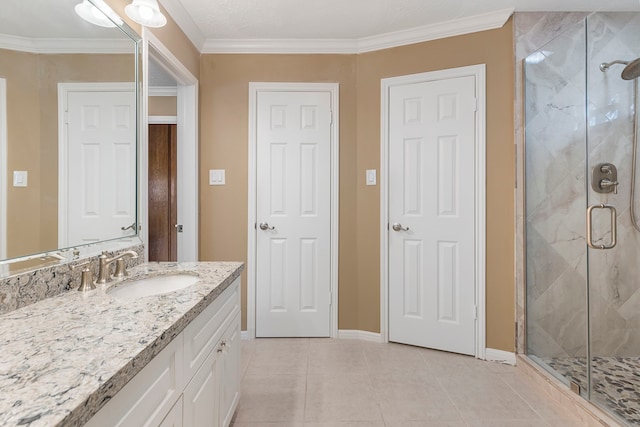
column 614, row 226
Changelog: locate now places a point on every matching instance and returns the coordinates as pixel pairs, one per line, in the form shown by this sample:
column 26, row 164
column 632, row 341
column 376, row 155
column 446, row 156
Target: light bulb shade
column 98, row 13
column 146, row 12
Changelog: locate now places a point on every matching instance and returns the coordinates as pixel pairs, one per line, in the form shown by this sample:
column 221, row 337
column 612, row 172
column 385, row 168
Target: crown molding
column 456, row 27
column 35, row 45
column 181, row 17
column 344, row 46
column 483, row 22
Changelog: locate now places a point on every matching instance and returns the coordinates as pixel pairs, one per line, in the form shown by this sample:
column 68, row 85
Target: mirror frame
column 21, row 264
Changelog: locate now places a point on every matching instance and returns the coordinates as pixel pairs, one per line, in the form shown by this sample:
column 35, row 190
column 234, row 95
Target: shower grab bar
column 614, row 226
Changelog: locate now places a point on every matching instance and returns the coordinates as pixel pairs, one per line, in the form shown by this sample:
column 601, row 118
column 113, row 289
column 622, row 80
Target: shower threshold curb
column 587, row 412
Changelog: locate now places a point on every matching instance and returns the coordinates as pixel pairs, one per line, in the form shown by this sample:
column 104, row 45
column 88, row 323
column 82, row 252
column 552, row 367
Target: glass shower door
column 614, row 255
column 555, row 204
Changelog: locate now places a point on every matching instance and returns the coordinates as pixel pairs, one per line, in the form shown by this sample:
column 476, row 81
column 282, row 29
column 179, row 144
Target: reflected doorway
column 163, row 199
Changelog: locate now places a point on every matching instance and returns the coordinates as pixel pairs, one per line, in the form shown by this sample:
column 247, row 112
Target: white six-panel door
column 100, row 165
column 293, row 213
column 431, row 203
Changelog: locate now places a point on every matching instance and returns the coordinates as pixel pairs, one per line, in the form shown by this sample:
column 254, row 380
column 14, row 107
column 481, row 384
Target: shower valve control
column 605, row 178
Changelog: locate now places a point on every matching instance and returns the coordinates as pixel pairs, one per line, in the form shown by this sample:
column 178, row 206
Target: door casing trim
column 254, row 88
column 479, row 72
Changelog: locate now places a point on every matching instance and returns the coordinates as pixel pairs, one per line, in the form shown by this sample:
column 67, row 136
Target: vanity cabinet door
column 150, row 395
column 174, row 417
column 202, row 334
column 230, row 372
column 201, row 398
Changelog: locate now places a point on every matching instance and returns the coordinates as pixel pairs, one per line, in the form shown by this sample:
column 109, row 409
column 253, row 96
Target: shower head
column 631, row 70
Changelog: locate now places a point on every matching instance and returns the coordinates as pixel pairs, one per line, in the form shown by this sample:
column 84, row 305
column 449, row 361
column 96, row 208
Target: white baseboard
column 342, row 334
column 350, row 334
column 501, row 356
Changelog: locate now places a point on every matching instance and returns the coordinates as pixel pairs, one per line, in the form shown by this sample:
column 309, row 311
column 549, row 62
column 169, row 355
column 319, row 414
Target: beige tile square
column 271, row 398
column 535, row 396
column 246, row 351
column 430, row 423
column 480, row 395
column 413, row 397
column 345, row 397
column 347, row 424
column 278, row 424
column 393, row 358
column 334, row 357
column 441, row 361
column 270, row 358
column 568, row 423
column 499, row 368
column 508, row 423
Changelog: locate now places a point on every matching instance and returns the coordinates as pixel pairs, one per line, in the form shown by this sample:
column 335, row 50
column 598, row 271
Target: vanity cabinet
column 213, row 393
column 193, row 382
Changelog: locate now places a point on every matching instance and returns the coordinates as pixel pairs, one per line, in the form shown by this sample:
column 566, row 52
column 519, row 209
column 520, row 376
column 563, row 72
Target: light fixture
column 98, row 13
column 146, row 12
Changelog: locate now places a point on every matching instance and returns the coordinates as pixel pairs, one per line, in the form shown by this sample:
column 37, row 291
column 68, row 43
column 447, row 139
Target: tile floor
column 327, row 382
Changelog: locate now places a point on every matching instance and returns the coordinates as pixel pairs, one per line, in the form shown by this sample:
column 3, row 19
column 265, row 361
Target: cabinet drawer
column 150, row 395
column 206, row 330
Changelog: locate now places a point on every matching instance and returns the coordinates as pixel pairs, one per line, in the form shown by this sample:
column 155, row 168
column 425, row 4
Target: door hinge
column 66, row 117
column 475, row 104
column 330, row 117
column 330, row 298
column 475, row 312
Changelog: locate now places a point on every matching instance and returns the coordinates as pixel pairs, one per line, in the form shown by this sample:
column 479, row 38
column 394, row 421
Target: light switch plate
column 371, row 177
column 20, row 178
column 216, row 177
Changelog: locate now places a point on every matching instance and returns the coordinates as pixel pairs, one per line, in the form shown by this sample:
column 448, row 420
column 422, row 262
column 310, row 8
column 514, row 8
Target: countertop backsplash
column 26, row 288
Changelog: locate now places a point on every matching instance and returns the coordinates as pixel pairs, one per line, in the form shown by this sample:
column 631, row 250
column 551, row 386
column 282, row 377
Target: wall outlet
column 216, row 177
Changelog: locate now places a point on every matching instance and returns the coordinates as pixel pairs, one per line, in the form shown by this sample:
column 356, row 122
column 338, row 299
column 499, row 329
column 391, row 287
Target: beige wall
column 163, row 106
column 23, row 150
column 223, row 210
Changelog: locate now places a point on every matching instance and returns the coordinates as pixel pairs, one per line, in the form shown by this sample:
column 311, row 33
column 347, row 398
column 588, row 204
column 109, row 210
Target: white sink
column 155, row 285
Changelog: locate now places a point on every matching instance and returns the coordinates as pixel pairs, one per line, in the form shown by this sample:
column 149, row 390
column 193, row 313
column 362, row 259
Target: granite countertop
column 62, row 358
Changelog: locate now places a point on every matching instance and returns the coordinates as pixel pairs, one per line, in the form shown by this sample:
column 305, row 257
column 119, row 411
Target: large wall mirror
column 69, row 125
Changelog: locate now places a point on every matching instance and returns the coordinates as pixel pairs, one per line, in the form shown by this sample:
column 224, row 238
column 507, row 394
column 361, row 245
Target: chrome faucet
column 105, row 262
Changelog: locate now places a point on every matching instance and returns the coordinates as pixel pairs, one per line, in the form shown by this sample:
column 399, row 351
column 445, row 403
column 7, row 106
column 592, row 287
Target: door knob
column 265, row 226
column 398, row 227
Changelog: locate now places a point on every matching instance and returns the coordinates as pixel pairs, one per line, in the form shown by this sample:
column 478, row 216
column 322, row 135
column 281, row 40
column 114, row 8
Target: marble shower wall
column 572, row 111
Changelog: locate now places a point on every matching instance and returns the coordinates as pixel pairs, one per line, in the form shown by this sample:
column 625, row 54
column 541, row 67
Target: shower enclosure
column 582, row 248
